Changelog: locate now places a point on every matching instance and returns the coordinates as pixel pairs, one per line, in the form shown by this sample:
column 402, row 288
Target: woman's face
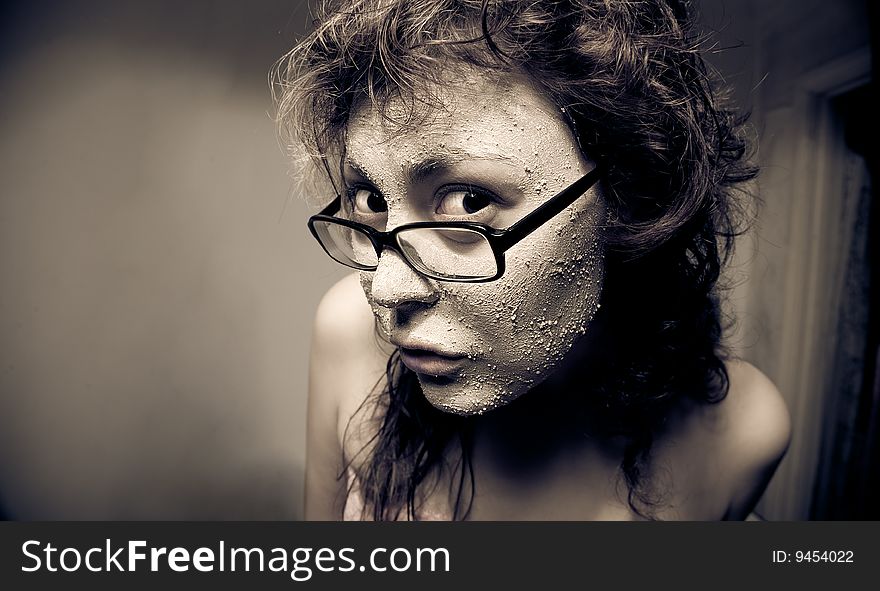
column 493, row 151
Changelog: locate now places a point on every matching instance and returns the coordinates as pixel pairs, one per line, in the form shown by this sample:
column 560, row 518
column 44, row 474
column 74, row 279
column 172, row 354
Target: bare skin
column 713, row 462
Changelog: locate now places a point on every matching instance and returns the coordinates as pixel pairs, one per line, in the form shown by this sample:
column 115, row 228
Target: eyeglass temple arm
column 547, row 210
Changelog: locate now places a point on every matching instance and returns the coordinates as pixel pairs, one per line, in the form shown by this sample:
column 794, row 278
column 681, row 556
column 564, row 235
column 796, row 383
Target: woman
column 538, row 197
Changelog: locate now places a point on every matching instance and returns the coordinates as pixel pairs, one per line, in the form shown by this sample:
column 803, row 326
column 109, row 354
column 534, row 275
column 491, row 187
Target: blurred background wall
column 806, row 278
column 158, row 282
column 157, row 286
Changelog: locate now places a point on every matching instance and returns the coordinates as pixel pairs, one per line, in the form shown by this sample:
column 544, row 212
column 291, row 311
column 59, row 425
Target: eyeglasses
column 467, row 252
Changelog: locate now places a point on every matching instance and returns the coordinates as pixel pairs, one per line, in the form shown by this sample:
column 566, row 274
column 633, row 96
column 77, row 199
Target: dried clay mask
column 493, row 152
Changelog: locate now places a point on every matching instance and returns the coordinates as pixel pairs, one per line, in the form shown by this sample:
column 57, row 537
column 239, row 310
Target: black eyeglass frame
column 500, row 240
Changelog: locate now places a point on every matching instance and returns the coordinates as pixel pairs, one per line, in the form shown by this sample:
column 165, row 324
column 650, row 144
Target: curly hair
column 643, row 105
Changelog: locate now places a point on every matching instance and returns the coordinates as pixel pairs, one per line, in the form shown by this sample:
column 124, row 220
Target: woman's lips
column 431, row 363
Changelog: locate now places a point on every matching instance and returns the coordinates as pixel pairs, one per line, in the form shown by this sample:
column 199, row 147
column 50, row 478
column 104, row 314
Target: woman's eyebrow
column 416, row 172
column 350, row 164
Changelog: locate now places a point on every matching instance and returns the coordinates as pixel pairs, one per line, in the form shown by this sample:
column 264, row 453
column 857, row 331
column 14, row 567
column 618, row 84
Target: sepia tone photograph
column 491, row 260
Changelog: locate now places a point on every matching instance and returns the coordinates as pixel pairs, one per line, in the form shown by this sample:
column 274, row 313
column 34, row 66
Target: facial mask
column 499, row 134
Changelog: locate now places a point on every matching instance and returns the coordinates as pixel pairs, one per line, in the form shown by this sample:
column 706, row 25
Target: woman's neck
column 550, row 423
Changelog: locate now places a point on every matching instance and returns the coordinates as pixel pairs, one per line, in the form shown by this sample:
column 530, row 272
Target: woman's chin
column 468, row 397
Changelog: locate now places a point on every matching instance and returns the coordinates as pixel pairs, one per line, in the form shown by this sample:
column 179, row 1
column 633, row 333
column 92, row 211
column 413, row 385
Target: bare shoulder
column 754, row 430
column 758, row 414
column 721, row 456
column 344, row 342
column 346, row 361
column 343, row 318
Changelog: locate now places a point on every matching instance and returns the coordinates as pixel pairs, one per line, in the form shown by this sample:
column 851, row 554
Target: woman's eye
column 464, row 202
column 369, row 202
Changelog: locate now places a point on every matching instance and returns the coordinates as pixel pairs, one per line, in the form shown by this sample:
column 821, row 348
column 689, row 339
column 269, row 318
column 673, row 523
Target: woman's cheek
column 550, row 298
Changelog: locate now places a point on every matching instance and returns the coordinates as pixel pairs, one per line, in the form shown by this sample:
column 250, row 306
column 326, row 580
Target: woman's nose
column 396, row 284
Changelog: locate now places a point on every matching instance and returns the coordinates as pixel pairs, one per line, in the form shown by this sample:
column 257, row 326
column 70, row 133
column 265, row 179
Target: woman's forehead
column 472, row 115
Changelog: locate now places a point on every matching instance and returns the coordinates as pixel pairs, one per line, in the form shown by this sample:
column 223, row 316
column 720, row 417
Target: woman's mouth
column 431, row 363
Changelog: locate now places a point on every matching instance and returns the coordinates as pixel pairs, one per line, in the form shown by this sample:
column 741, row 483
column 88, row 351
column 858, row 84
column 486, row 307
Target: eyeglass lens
column 448, row 252
column 442, row 252
column 347, row 245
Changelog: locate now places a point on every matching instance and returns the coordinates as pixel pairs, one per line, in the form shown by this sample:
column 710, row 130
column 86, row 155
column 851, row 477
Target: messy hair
column 643, row 105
